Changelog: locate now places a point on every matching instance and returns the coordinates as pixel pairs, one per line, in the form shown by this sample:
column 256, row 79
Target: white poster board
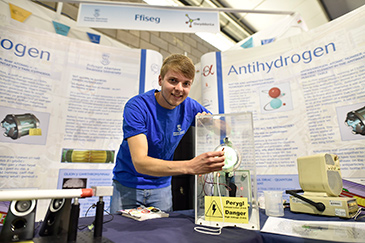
column 61, row 105
column 300, row 90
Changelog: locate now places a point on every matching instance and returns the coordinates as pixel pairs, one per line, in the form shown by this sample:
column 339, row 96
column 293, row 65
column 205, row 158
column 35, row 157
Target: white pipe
column 59, row 8
column 10, row 195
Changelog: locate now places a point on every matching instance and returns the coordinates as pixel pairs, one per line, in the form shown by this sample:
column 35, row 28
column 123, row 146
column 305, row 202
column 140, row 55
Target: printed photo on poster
column 23, row 126
column 87, row 156
column 351, row 121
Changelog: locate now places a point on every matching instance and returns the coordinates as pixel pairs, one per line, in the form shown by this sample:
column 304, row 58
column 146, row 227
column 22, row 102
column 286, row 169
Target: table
column 179, row 227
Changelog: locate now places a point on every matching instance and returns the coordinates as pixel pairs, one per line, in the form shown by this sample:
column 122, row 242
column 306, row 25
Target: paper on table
column 143, row 213
column 320, row 230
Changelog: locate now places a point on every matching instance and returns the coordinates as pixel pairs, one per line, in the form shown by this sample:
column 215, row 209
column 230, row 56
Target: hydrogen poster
column 61, row 106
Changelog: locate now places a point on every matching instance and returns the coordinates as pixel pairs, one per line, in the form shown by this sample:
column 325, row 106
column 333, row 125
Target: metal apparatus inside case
column 321, row 181
column 228, row 197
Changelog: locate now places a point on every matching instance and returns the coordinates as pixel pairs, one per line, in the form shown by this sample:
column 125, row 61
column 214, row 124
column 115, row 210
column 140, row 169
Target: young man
column 153, row 125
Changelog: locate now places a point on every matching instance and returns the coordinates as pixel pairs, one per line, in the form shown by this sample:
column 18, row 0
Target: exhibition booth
column 61, row 107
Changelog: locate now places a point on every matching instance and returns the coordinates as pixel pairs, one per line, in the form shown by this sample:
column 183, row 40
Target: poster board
column 300, row 90
column 64, row 98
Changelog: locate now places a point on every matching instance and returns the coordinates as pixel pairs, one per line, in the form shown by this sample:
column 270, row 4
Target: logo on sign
column 105, row 59
column 95, row 17
column 96, row 12
column 191, row 22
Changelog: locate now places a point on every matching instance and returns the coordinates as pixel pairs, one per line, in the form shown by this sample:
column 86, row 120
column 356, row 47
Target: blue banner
column 94, row 38
column 61, row 28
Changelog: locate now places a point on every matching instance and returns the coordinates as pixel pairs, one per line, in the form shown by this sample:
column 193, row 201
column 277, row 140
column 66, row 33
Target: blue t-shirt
column 163, row 128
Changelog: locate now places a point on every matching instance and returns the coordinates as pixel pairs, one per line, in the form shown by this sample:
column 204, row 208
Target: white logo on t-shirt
column 179, row 131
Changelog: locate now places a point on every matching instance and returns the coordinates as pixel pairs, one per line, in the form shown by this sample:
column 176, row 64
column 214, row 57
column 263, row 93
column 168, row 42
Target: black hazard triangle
column 214, row 210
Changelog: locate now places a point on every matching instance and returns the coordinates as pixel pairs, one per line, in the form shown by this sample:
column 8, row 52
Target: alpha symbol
column 208, row 70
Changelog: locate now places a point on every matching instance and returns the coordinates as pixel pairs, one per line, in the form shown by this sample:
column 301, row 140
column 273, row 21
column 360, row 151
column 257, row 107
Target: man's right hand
column 206, row 163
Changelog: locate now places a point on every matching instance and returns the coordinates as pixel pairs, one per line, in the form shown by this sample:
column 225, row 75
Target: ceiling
column 237, row 26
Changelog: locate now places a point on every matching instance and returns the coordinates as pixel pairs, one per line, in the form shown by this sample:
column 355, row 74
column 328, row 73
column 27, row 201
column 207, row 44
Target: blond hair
column 178, row 63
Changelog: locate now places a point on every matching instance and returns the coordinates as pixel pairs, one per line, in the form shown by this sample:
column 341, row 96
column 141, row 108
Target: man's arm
column 144, row 164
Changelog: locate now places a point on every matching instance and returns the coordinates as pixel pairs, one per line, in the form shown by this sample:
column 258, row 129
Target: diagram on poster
column 276, row 98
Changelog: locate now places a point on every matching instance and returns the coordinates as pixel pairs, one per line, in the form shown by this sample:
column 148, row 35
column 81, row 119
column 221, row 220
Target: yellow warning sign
column 227, row 209
column 214, row 210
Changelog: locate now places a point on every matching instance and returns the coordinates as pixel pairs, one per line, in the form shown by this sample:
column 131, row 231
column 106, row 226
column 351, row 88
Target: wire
column 220, row 197
column 215, row 231
column 205, row 181
column 357, row 214
column 81, row 227
column 92, row 224
column 209, row 231
column 109, row 219
column 92, row 206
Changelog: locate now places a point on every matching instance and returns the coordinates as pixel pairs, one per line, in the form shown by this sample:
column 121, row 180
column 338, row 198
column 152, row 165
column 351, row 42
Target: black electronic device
column 19, row 222
column 57, row 218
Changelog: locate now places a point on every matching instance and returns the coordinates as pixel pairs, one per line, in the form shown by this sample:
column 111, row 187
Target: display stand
column 228, row 197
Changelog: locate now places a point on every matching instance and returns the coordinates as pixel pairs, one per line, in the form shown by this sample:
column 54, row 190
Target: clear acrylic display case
column 227, row 197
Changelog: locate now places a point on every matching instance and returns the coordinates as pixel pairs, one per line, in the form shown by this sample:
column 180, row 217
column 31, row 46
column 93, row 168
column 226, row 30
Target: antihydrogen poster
column 301, row 91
